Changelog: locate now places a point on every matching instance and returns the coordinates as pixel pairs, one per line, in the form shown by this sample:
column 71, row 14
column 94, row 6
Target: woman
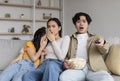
column 33, row 50
column 57, row 49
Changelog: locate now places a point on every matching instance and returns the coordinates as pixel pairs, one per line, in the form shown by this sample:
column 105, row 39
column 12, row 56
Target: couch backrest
column 9, row 49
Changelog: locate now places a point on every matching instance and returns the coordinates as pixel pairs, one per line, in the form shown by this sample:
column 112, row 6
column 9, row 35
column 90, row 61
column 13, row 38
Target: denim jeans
column 74, row 75
column 99, row 76
column 85, row 75
column 49, row 70
column 15, row 71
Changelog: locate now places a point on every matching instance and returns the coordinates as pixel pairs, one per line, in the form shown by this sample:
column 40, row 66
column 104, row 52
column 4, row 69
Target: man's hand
column 69, row 65
column 99, row 42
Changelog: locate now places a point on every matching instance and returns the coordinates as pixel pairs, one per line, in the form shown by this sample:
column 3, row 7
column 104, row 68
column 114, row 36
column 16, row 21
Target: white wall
column 105, row 15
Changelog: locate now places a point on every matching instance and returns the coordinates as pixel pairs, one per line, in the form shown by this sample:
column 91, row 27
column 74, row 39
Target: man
column 89, row 47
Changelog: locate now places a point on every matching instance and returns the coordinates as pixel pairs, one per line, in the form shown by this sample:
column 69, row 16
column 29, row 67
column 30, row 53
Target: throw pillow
column 113, row 59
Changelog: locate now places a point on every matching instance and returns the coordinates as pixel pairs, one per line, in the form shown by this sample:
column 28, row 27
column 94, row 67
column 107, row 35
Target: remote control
column 97, row 42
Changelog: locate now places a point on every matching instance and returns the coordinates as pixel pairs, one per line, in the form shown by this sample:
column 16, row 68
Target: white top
column 58, row 49
column 82, row 46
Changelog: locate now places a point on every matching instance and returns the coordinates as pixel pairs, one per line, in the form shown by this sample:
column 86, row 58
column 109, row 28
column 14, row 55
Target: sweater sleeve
column 61, row 51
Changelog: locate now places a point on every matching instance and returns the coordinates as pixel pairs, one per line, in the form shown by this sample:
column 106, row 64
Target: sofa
column 9, row 49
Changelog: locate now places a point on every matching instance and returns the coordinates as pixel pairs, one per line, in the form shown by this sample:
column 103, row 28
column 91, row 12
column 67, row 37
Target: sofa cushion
column 8, row 50
column 116, row 78
column 113, row 59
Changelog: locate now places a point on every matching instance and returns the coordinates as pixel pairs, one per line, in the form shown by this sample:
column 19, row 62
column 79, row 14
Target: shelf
column 15, row 5
column 40, row 20
column 29, row 6
column 45, row 7
column 15, row 33
column 15, row 19
column 32, row 10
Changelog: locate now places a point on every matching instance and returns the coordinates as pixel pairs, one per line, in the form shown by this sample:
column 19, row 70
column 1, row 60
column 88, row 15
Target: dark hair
column 58, row 23
column 77, row 17
column 37, row 37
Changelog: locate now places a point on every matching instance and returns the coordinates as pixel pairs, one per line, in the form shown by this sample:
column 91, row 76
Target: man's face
column 82, row 25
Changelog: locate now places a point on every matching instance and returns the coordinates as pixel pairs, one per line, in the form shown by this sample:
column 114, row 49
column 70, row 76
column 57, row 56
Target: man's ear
column 76, row 28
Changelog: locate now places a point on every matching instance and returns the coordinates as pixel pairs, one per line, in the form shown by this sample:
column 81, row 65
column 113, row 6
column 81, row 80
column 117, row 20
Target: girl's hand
column 45, row 51
column 50, row 36
column 43, row 42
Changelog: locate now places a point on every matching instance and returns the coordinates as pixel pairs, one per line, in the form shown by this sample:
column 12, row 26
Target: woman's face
column 53, row 28
column 44, row 37
column 82, row 25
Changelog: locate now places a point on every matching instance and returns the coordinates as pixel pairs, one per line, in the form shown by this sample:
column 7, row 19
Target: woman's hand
column 50, row 36
column 43, row 42
column 45, row 51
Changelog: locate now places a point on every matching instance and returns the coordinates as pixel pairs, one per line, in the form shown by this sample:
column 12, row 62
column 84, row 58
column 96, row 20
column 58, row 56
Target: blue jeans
column 74, row 75
column 49, row 70
column 85, row 75
column 15, row 71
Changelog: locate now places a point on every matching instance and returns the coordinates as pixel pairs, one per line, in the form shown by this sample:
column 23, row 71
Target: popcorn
column 79, row 62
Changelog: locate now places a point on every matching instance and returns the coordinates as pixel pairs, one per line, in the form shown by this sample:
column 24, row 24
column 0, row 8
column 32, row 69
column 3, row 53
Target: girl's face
column 82, row 25
column 53, row 28
column 44, row 37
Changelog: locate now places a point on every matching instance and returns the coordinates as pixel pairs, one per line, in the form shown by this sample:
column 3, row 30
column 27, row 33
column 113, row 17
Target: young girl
column 57, row 49
column 33, row 51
